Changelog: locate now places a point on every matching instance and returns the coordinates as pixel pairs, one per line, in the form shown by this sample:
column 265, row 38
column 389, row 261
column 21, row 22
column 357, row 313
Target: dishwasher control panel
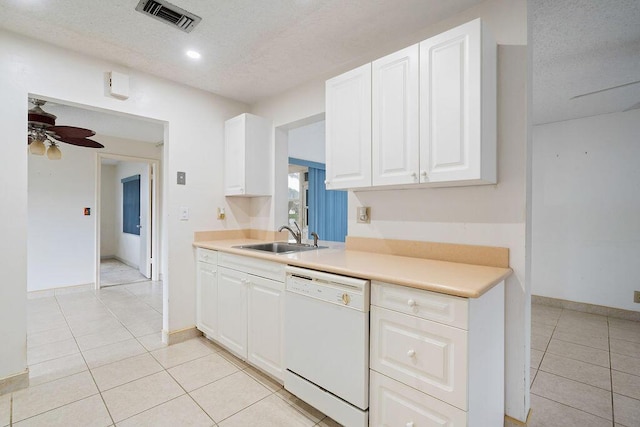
column 339, row 290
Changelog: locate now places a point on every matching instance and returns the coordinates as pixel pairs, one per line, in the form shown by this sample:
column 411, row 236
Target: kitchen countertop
column 463, row 280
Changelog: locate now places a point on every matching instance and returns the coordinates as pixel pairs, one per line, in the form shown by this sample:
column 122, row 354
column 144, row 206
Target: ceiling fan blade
column 606, row 89
column 71, row 131
column 633, row 107
column 80, row 142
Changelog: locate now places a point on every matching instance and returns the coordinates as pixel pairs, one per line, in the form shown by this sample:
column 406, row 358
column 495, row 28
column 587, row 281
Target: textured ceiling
column 583, row 46
column 251, row 49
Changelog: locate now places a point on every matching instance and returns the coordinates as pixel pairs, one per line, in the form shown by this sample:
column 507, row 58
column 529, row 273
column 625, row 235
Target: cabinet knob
column 414, row 176
column 326, row 182
column 411, row 353
column 242, row 190
column 411, row 303
column 423, row 175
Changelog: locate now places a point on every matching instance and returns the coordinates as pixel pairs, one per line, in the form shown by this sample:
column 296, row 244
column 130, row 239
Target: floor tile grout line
column 542, row 358
column 613, row 415
column 189, row 393
column 575, row 380
column 573, row 407
column 90, row 373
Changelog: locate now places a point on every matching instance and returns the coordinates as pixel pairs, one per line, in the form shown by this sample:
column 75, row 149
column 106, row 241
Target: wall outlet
column 364, row 215
column 221, row 213
column 636, row 297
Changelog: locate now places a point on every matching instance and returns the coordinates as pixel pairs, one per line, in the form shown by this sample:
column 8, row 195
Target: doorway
column 127, row 236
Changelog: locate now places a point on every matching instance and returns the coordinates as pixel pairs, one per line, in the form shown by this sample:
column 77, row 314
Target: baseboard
column 14, row 382
column 44, row 293
column 512, row 422
column 125, row 262
column 175, row 337
column 602, row 310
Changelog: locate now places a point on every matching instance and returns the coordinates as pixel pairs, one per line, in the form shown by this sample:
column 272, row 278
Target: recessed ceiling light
column 193, row 54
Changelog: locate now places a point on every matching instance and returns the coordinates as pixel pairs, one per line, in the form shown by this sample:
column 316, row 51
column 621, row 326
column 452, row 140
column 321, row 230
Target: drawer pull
column 411, row 353
column 411, row 303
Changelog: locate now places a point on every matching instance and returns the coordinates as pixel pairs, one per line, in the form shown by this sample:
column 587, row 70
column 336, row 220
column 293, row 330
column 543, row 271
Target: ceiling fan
column 42, row 128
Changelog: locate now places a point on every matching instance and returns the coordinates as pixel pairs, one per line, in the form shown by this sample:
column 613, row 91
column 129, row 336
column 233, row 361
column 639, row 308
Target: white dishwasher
column 327, row 343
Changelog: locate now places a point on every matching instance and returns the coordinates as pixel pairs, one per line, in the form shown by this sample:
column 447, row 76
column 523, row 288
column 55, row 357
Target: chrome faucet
column 315, row 238
column 296, row 235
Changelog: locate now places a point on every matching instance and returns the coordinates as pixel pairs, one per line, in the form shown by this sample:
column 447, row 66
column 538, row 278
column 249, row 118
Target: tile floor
column 114, row 272
column 585, row 369
column 96, row 359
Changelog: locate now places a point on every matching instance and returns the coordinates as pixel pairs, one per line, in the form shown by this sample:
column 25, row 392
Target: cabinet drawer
column 257, row 267
column 395, row 404
column 208, row 256
column 440, row 308
column 422, row 354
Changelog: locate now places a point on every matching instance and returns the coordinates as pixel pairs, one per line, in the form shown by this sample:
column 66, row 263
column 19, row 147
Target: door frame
column 151, row 224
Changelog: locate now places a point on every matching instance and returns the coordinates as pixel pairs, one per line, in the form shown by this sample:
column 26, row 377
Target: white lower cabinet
column 436, row 360
column 232, row 310
column 250, row 311
column 266, row 323
column 207, row 293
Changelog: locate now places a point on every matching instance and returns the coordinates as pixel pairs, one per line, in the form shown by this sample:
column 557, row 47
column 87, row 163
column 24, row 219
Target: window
column 297, row 195
column 131, row 205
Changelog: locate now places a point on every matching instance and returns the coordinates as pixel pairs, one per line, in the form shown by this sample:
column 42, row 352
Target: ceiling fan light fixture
column 53, row 152
column 37, row 147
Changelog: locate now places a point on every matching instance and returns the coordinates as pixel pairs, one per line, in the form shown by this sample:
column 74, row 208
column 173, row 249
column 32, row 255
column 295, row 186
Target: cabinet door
column 266, row 324
column 348, row 126
column 232, row 310
column 395, row 135
column 234, row 154
column 207, row 299
column 451, row 107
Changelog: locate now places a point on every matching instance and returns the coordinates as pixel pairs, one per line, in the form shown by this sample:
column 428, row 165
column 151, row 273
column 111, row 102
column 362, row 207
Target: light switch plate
column 182, row 178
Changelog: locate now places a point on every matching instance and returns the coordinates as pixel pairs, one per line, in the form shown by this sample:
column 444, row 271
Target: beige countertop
column 464, row 280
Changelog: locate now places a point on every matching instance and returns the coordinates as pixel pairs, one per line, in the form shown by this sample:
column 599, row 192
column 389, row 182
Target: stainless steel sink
column 280, row 247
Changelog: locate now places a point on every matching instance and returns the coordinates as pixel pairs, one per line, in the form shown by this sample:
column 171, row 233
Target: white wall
column 586, row 210
column 128, row 245
column 60, row 237
column 108, row 211
column 32, row 67
column 308, row 142
column 485, row 215
column 61, row 240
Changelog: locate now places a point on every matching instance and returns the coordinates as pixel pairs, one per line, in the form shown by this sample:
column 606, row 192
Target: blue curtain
column 327, row 208
column 131, row 205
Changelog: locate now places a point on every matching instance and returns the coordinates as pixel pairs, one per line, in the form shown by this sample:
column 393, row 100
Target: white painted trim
column 151, row 225
column 14, row 382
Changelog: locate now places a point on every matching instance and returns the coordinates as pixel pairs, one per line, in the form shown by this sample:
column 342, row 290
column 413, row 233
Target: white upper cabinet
column 348, row 126
column 458, row 106
column 395, row 138
column 425, row 114
column 247, row 156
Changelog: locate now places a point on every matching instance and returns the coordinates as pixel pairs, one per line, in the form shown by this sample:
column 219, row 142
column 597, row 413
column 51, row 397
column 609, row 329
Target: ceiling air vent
column 169, row 14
